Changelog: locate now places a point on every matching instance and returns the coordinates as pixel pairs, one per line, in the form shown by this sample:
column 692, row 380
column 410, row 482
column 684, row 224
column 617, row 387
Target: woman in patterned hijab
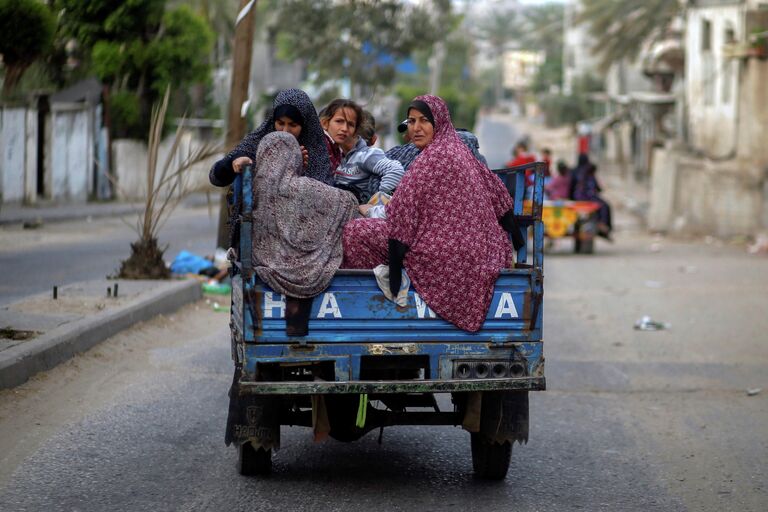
column 446, row 223
column 293, row 112
column 297, row 221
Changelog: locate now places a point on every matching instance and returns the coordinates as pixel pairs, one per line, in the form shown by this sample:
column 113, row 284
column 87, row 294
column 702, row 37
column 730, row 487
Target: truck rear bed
column 359, row 342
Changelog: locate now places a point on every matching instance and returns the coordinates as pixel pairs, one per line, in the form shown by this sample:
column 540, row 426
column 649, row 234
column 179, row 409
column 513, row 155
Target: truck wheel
column 490, row 460
column 585, row 246
column 254, row 462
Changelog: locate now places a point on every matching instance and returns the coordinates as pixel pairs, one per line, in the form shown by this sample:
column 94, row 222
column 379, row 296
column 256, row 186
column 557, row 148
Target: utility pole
column 238, row 95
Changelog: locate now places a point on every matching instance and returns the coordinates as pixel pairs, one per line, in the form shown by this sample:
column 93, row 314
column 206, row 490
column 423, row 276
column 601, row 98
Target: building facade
column 713, row 179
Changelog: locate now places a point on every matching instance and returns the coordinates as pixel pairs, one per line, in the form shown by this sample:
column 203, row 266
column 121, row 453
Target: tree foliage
column 27, row 28
column 620, row 29
column 457, row 85
column 139, row 49
column 543, row 31
column 355, row 39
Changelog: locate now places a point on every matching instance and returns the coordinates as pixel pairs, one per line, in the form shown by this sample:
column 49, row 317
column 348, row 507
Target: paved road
column 497, row 138
column 33, row 261
column 631, row 421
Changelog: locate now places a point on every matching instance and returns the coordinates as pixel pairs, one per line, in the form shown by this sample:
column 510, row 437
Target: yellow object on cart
column 560, row 216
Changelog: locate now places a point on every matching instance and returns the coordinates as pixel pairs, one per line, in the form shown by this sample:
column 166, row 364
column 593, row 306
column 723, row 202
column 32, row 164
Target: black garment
column 422, row 107
column 509, row 223
column 297, row 315
column 397, row 250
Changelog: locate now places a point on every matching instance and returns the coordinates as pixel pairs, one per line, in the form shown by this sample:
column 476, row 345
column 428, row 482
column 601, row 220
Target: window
column 708, row 74
column 706, row 35
column 729, row 37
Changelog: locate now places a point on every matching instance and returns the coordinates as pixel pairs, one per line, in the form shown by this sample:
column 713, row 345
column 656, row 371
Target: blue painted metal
column 352, row 319
column 353, row 308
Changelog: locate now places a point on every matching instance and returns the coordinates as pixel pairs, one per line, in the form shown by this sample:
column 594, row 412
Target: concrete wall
column 130, row 165
column 718, row 197
column 18, row 155
column 712, row 80
column 662, row 208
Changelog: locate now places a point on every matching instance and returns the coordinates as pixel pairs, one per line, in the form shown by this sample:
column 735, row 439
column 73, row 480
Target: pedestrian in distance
column 560, row 184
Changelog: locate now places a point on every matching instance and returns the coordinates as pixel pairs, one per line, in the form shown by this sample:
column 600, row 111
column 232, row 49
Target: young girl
column 339, row 120
column 365, row 170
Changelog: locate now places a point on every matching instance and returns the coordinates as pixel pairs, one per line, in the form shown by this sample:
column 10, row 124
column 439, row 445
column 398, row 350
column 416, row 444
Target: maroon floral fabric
column 446, row 210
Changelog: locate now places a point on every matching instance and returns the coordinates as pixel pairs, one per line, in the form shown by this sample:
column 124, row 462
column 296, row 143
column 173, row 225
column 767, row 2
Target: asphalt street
column 34, row 260
column 632, row 420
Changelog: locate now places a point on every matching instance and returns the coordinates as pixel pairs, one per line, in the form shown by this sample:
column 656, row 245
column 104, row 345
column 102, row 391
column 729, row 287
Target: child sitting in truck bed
column 365, row 170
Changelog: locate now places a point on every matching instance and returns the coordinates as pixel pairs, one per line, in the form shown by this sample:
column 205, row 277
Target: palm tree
column 621, row 28
column 167, row 184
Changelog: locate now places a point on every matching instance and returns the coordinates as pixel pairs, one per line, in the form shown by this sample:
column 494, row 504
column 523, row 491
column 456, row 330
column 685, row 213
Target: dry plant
column 166, row 187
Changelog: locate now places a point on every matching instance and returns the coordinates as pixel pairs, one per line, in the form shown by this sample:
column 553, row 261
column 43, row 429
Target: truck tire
column 585, row 246
column 254, row 462
column 490, row 460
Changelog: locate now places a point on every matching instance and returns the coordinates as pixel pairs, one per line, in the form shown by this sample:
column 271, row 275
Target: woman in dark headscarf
column 585, row 187
column 294, row 113
column 445, row 223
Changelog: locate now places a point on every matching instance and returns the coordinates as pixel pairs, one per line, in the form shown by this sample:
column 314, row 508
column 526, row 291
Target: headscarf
column 311, row 136
column 424, row 108
column 579, row 177
column 447, row 210
column 290, row 112
column 297, row 222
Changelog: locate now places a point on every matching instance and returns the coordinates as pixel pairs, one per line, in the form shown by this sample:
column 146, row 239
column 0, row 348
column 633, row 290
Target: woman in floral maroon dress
column 446, row 223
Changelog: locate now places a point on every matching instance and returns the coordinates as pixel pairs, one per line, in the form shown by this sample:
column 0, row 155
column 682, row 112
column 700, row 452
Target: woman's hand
column 363, row 209
column 305, row 156
column 240, row 162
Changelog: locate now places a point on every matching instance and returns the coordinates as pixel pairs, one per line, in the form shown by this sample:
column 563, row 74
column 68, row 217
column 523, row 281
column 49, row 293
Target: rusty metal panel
column 384, row 387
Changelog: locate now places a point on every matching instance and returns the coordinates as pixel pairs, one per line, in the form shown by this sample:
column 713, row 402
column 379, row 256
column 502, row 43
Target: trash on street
column 646, row 323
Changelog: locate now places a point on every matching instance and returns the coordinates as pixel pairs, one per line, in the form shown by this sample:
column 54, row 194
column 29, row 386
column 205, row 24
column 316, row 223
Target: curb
column 67, row 212
column 53, row 217
column 18, row 364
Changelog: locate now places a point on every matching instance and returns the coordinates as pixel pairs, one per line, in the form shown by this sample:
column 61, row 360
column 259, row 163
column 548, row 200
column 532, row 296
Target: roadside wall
column 18, row 155
column 696, row 195
column 130, row 165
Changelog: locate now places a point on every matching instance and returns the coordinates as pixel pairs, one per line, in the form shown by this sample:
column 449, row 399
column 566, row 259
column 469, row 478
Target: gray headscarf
column 297, row 221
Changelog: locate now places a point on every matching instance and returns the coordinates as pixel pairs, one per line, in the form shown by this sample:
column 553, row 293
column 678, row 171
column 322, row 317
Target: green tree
column 355, row 39
column 621, row 28
column 457, row 86
column 498, row 31
column 543, row 31
column 138, row 49
column 27, row 28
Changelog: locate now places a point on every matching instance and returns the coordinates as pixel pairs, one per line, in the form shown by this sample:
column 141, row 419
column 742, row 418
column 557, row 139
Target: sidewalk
column 39, row 332
column 58, row 212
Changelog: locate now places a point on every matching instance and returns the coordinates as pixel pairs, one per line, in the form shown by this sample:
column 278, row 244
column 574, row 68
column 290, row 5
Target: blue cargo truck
column 367, row 364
